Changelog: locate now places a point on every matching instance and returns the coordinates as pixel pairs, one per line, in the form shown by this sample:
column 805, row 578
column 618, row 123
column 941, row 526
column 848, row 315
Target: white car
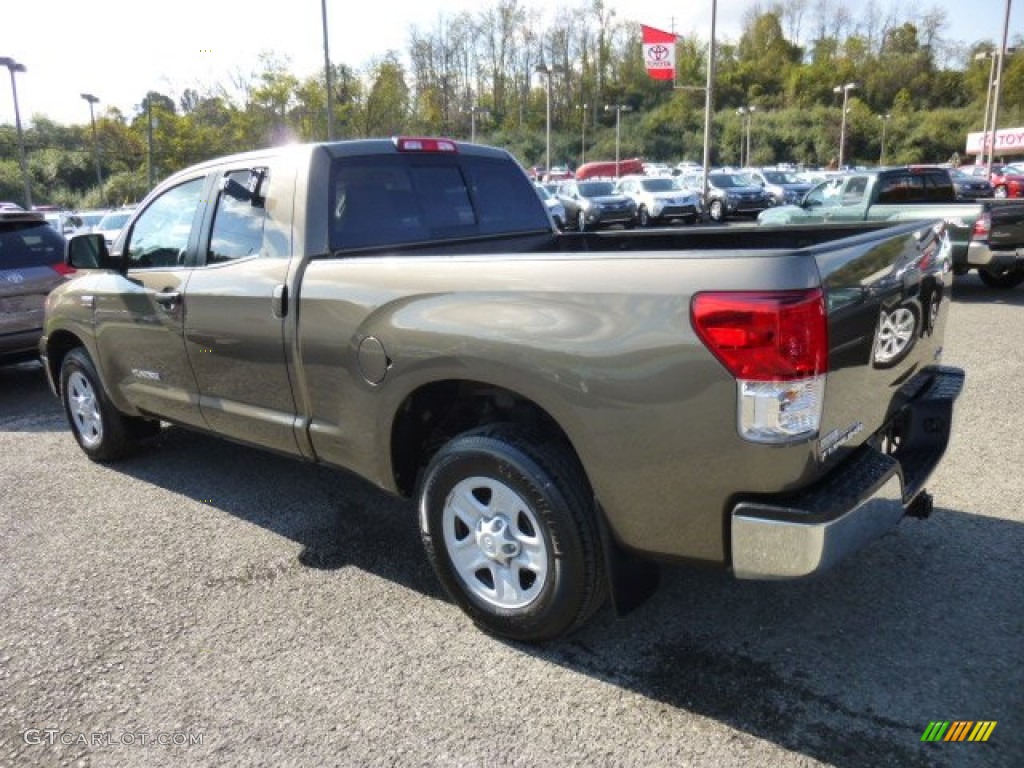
column 111, row 224
column 660, row 200
column 555, row 208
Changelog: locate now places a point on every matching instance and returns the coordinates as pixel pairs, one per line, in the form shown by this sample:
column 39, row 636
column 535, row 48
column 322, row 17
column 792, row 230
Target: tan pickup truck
column 566, row 410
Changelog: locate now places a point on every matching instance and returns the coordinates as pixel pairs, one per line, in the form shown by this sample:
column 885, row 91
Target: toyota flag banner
column 659, row 53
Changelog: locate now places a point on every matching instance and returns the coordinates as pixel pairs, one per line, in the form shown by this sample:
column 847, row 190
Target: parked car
column 785, row 187
column 1007, row 181
column 111, row 224
column 731, row 194
column 89, row 220
column 31, row 265
column 658, row 199
column 970, row 187
column 594, row 204
column 553, row 204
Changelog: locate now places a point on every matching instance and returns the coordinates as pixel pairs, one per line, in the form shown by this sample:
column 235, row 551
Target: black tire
column 521, row 554
column 581, row 221
column 643, row 217
column 716, row 211
column 1004, row 280
column 103, row 432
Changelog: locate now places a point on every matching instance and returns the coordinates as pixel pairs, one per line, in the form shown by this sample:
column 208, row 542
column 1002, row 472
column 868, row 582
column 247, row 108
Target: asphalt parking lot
column 207, row 604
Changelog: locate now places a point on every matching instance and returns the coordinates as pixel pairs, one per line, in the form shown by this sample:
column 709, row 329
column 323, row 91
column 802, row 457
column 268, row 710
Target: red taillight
column 982, row 227
column 63, row 269
column 765, row 336
column 420, row 144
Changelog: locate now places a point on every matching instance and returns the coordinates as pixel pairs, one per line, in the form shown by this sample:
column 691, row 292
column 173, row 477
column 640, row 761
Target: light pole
column 13, row 67
column 845, row 90
column 327, row 74
column 544, row 69
column 583, row 135
column 885, row 121
column 149, row 139
column 473, row 112
column 619, row 109
column 988, row 98
column 998, row 89
column 748, row 114
column 95, row 144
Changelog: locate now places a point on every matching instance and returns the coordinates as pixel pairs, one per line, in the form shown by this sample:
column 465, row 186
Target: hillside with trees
column 477, row 73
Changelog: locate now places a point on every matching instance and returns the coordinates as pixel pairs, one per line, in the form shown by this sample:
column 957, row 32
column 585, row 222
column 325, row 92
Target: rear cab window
column 380, row 200
column 25, row 244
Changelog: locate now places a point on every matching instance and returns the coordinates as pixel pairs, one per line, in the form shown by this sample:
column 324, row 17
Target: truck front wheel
column 509, row 527
column 103, row 432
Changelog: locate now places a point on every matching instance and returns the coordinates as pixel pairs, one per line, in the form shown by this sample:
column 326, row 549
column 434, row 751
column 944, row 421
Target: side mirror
column 88, row 251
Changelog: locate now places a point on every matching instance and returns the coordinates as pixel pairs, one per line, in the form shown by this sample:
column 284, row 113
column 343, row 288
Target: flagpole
column 709, row 99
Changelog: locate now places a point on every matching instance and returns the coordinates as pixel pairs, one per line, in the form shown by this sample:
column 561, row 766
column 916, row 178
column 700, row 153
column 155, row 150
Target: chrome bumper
column 766, row 548
column 786, row 537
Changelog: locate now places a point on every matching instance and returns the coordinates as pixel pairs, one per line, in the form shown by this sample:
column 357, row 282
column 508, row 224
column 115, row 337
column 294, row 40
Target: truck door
column 139, row 320
column 237, row 304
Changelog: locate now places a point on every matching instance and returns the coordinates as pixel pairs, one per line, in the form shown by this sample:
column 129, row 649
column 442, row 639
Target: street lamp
column 95, row 145
column 619, row 109
column 13, row 67
column 473, row 112
column 583, row 135
column 885, row 121
column 544, row 69
column 748, row 113
column 327, row 74
column 845, row 90
column 986, row 141
column 998, row 85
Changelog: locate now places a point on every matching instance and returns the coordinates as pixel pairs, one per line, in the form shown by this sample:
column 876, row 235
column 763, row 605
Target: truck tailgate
column 887, row 303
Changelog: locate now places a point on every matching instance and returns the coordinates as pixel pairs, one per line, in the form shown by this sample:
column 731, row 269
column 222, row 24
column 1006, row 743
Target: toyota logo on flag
column 658, row 53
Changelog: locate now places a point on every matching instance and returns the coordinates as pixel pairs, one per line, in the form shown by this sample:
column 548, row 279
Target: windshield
column 114, row 220
column 596, row 188
column 726, row 180
column 658, row 185
column 781, row 177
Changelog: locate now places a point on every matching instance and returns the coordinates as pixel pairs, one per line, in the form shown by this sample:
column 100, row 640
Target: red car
column 1007, row 181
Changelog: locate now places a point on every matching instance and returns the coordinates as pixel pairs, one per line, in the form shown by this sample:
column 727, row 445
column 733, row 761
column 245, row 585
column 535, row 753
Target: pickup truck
column 566, row 410
column 985, row 234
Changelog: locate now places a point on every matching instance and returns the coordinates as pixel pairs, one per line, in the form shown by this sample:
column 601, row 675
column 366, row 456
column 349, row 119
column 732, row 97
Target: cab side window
column 159, row 237
column 239, row 218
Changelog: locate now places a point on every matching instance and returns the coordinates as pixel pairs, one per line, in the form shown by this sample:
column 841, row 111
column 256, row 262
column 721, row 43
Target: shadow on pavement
column 849, row 668
column 968, row 289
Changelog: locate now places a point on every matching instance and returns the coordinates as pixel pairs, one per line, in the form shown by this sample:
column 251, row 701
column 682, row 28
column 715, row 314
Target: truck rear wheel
column 1009, row 278
column 103, row 432
column 509, row 527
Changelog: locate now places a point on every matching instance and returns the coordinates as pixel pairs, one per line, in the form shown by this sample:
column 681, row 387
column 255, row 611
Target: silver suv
column 659, row 199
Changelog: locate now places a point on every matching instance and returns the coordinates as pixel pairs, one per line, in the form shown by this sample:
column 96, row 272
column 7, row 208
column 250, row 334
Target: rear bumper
column 866, row 496
column 981, row 254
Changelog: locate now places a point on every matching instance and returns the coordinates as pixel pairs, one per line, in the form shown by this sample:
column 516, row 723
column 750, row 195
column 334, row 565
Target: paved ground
column 285, row 614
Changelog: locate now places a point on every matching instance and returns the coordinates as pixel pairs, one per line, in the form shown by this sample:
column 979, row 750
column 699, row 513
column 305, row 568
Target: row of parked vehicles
column 641, row 200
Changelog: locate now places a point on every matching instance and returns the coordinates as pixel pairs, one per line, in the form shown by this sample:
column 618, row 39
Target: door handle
column 167, row 299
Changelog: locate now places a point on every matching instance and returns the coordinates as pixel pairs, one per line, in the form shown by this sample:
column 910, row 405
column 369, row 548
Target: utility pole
column 13, row 67
column 95, row 143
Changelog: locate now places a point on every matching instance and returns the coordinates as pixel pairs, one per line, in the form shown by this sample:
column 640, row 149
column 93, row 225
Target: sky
column 118, row 50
